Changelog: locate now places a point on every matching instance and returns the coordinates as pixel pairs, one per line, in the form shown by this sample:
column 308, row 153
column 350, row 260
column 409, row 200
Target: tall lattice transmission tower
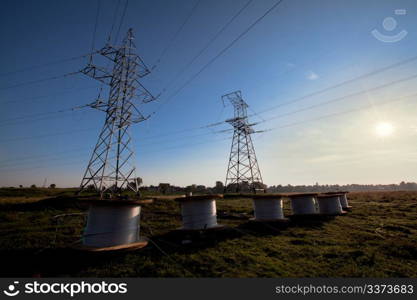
column 111, row 168
column 243, row 170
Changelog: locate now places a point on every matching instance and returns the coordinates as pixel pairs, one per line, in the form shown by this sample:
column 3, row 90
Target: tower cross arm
column 98, row 73
column 137, row 116
column 142, row 93
column 135, row 62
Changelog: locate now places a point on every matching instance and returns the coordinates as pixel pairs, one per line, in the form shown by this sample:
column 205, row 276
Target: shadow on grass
column 192, row 241
column 63, row 262
column 43, row 263
column 268, row 228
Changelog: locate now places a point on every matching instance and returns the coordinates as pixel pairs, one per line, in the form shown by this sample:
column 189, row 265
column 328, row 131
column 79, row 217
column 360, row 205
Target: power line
column 144, row 144
column 185, row 130
column 41, row 167
column 211, row 41
column 90, row 129
column 298, row 99
column 254, row 113
column 46, row 135
column 69, row 91
column 365, row 107
column 176, row 34
column 363, row 76
column 338, row 84
column 114, row 21
column 121, row 20
column 43, row 114
column 38, row 81
column 242, row 34
column 41, row 159
column 264, row 120
column 271, row 129
column 182, row 137
column 55, row 116
column 95, row 26
column 71, row 109
column 183, row 145
column 302, row 109
column 22, row 158
column 151, row 151
column 343, row 112
column 385, row 85
column 46, row 64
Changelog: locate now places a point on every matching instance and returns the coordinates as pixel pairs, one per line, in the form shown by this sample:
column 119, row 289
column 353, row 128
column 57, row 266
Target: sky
column 359, row 131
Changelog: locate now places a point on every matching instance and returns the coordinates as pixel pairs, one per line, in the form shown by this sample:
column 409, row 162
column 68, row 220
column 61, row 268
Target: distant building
column 259, row 185
column 219, row 187
column 200, row 188
column 191, row 188
column 164, row 188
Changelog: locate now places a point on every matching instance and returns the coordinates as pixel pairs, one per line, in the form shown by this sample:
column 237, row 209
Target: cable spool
column 344, row 201
column 329, row 204
column 304, row 203
column 342, row 198
column 113, row 224
column 199, row 212
column 268, row 207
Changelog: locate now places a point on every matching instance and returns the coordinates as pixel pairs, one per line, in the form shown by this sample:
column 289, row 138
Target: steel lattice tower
column 111, row 168
column 243, row 168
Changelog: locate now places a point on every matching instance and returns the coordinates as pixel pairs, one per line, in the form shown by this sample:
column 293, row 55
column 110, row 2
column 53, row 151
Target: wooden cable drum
column 303, row 203
column 113, row 224
column 342, row 198
column 199, row 212
column 268, row 207
column 344, row 201
column 329, row 204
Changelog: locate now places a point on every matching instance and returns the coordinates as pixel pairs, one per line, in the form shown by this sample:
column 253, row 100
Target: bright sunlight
column 384, row 129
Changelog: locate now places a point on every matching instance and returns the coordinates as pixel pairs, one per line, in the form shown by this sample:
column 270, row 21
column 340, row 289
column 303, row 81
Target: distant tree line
column 166, row 188
column 33, row 186
column 402, row 186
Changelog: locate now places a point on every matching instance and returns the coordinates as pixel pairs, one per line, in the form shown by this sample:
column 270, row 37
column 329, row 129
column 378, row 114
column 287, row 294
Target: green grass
column 378, row 238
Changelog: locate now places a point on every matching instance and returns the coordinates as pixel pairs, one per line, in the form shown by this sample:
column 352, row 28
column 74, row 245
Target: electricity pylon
column 243, row 169
column 111, row 168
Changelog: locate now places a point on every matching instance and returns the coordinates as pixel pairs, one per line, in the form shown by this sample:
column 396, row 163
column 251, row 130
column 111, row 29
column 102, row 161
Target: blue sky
column 299, row 48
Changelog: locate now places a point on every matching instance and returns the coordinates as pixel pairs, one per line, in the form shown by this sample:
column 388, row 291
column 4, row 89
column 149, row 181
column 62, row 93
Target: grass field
column 378, row 238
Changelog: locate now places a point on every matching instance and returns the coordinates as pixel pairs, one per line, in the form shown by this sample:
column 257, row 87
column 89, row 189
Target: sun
column 384, row 129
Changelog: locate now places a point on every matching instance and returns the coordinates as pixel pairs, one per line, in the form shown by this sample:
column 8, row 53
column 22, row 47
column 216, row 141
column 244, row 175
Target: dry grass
column 378, row 238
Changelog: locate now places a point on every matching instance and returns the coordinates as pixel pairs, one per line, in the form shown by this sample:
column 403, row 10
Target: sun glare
column 384, row 129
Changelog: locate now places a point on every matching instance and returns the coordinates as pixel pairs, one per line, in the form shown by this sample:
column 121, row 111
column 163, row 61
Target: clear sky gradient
column 299, row 48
